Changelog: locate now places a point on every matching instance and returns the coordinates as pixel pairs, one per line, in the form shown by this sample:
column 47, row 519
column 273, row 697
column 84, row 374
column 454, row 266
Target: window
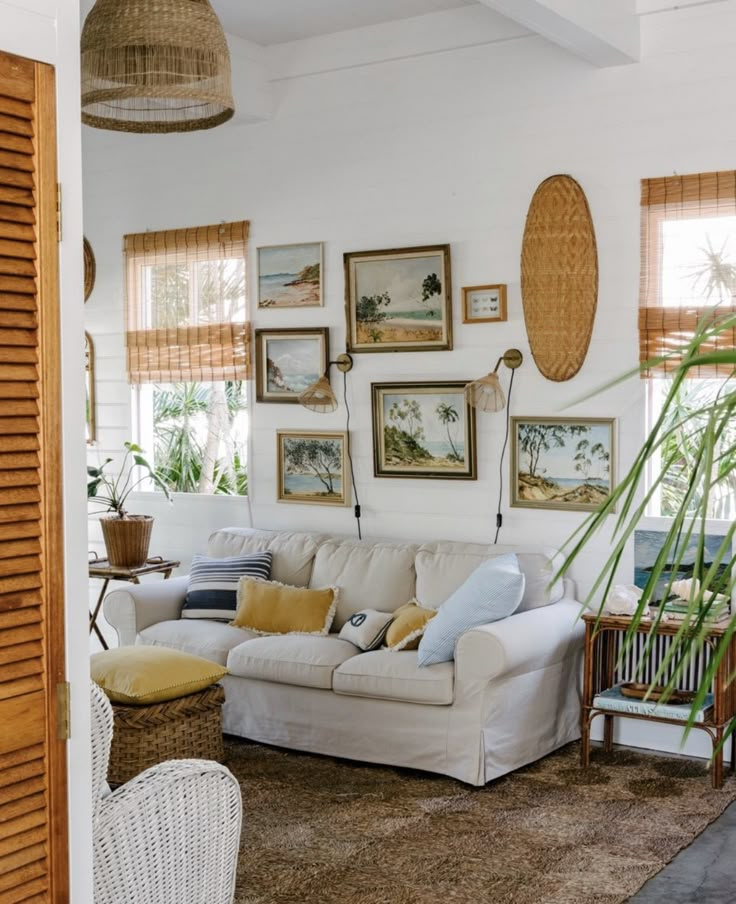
column 188, row 354
column 688, row 275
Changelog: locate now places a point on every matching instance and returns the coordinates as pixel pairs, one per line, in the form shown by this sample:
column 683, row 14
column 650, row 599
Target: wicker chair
column 168, row 836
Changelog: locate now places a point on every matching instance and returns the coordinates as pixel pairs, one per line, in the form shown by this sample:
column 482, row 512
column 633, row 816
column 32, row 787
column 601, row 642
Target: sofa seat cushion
column 388, row 675
column 209, row 639
column 301, row 659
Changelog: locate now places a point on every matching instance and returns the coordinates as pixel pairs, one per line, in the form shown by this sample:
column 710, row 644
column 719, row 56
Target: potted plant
column 126, row 536
column 704, row 431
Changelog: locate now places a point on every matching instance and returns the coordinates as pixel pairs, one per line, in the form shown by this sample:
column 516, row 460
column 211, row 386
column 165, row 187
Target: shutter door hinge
column 58, row 212
column 63, row 720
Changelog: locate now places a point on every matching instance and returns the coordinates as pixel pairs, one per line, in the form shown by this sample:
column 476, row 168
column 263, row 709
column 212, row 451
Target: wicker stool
column 187, row 728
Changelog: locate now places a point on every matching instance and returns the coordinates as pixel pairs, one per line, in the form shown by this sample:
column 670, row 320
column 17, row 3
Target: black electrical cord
column 499, row 516
column 356, row 508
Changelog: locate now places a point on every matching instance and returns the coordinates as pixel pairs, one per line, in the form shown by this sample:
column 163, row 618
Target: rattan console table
column 599, row 671
column 101, row 568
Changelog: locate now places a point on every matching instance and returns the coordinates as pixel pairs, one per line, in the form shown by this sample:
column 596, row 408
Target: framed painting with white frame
column 289, row 360
column 566, row 464
column 484, row 304
column 311, row 467
column 290, row 276
column 423, row 430
column 399, row 300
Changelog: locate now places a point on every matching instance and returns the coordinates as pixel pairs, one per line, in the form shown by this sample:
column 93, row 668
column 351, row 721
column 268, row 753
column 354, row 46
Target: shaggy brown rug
column 324, row 831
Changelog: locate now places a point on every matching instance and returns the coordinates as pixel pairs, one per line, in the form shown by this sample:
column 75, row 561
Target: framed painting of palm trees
column 423, row 430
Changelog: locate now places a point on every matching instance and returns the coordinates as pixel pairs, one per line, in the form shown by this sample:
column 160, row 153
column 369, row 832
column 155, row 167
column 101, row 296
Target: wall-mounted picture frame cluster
column 567, row 464
column 311, row 467
column 424, row 430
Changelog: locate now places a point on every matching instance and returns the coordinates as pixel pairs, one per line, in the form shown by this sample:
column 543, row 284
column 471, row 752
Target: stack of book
column 677, row 610
column 613, row 700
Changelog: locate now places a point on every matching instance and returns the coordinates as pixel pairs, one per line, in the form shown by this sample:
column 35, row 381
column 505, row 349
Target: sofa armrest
column 521, row 643
column 137, row 606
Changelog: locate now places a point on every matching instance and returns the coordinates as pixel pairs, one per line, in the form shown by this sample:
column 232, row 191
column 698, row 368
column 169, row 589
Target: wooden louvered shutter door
column 33, row 832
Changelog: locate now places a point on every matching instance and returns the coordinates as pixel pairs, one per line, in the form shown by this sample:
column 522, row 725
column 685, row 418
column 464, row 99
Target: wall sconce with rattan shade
column 155, row 66
column 486, row 393
column 319, row 395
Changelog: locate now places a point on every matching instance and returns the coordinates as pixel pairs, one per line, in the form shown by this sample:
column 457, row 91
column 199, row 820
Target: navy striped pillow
column 213, row 583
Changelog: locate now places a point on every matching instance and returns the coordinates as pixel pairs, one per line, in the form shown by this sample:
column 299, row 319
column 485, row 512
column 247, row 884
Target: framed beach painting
column 649, row 543
column 288, row 361
column 312, row 467
column 562, row 463
column 423, row 430
column 290, row 276
column 399, row 300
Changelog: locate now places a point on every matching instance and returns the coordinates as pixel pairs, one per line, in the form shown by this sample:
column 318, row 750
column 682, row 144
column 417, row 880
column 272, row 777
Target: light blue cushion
column 493, row 591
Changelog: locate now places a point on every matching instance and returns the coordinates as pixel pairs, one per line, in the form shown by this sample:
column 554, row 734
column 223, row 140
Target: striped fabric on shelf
column 213, row 583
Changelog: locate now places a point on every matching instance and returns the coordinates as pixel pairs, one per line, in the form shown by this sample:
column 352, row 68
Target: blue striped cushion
column 213, row 583
column 493, row 591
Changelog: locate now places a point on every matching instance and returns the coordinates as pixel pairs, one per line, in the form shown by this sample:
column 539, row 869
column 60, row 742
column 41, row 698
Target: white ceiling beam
column 603, row 32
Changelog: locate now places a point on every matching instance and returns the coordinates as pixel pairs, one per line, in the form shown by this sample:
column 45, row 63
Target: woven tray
column 559, row 277
column 187, row 728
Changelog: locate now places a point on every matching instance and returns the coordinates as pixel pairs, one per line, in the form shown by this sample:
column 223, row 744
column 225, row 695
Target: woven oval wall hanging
column 559, row 277
column 90, row 269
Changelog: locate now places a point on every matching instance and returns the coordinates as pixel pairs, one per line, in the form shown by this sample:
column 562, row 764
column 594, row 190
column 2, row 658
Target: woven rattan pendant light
column 155, row 66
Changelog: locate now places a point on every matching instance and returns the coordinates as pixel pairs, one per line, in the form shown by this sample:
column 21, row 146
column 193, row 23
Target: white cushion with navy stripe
column 213, row 583
column 492, row 592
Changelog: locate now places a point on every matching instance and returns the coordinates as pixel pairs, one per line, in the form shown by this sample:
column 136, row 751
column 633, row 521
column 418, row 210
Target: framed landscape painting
column 290, row 276
column 562, row 463
column 423, row 430
column 647, row 546
column 311, row 467
column 399, row 300
column 288, row 361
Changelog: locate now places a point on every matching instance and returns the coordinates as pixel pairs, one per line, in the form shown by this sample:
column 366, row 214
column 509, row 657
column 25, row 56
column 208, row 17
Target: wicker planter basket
column 127, row 539
column 187, row 728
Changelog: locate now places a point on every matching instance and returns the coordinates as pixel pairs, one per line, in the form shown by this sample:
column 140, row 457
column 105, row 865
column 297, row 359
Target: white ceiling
column 274, row 21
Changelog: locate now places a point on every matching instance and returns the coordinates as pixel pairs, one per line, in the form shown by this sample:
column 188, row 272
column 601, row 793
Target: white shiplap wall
column 429, row 148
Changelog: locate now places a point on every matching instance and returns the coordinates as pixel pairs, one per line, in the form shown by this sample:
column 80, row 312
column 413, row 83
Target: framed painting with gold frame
column 423, row 430
column 312, row 467
column 399, row 300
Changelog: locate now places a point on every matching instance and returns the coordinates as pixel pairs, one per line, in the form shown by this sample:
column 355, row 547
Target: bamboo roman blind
column 688, row 266
column 186, row 305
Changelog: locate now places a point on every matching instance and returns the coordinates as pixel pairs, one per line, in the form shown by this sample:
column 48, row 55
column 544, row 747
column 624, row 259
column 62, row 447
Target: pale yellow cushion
column 405, row 631
column 268, row 607
column 144, row 674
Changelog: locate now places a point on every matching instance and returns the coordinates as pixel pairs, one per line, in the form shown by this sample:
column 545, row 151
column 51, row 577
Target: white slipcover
column 389, row 675
column 198, row 636
column 511, row 695
column 291, row 659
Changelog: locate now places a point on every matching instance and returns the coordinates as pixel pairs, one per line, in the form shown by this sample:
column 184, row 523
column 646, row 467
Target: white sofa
column 511, row 696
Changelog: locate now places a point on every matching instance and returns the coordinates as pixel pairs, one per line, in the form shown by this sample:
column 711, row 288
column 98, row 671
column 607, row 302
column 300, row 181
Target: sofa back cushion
column 372, row 574
column 293, row 551
column 443, row 566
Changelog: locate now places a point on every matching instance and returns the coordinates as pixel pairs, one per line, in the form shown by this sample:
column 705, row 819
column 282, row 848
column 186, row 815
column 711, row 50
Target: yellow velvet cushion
column 143, row 674
column 405, row 631
column 268, row 607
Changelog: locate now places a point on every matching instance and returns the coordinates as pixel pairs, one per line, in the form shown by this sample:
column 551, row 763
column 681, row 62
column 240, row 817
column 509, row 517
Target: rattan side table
column 101, row 568
column 598, row 675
